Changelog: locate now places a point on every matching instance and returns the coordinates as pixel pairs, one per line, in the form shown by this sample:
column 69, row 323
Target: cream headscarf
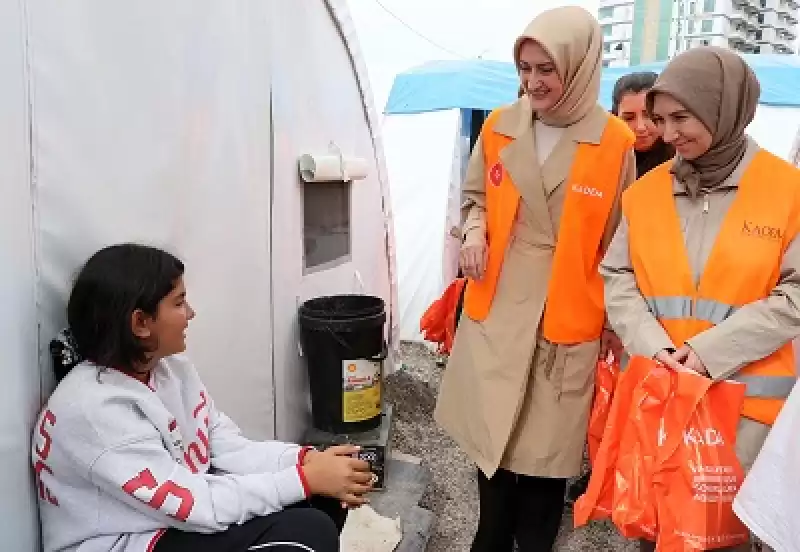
column 572, row 38
column 719, row 88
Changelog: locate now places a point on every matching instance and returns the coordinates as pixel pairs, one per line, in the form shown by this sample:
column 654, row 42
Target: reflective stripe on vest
column 766, row 386
column 715, row 312
column 675, row 308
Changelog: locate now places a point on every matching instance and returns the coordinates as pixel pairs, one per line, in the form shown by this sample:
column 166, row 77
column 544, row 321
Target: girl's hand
column 335, row 473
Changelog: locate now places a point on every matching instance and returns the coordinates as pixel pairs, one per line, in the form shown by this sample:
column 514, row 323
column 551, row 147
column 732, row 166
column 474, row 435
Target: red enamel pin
column 496, row 174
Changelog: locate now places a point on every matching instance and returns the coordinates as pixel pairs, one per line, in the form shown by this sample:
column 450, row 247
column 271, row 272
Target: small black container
column 344, row 346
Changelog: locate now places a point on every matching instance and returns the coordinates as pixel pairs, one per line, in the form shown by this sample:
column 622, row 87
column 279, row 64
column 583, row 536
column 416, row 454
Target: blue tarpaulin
column 484, row 84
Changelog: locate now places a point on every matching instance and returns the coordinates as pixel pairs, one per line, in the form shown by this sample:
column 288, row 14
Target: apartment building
column 641, row 31
column 616, row 20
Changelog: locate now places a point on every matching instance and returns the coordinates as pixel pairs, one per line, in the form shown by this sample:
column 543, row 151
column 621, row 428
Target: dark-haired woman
column 628, row 103
column 131, row 454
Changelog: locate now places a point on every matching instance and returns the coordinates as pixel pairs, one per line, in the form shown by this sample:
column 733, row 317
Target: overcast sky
column 467, row 28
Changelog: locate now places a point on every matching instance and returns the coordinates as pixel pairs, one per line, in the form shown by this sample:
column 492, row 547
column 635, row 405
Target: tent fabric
column 423, row 158
column 441, row 85
column 22, row 394
column 484, row 84
column 303, row 120
column 775, row 129
column 177, row 124
column 347, row 29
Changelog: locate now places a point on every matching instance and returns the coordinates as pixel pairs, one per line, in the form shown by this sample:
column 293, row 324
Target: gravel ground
column 453, row 496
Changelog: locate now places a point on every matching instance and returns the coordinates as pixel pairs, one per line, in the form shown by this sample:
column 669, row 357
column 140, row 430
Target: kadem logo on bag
column 708, row 437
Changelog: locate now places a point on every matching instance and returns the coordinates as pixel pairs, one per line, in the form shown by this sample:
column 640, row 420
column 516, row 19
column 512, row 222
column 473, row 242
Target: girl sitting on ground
column 131, row 454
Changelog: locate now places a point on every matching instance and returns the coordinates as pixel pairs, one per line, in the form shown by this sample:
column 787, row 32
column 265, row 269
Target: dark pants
column 578, row 488
column 306, row 526
column 518, row 508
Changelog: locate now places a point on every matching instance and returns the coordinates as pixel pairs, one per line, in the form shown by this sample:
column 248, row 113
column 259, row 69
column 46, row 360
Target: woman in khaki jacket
column 704, row 270
column 541, row 203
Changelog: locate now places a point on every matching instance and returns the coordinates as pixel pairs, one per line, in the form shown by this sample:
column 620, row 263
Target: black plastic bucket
column 344, row 347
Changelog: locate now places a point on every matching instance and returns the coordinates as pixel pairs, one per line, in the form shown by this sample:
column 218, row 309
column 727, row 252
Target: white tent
column 180, row 124
column 427, row 130
column 425, row 156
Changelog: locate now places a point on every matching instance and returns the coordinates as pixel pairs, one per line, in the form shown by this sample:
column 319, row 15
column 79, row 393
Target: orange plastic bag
column 666, row 469
column 605, row 380
column 634, row 505
column 438, row 324
column 597, row 502
column 698, row 472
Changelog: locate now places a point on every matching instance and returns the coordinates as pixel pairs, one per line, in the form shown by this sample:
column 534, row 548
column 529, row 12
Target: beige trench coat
column 753, row 332
column 508, row 398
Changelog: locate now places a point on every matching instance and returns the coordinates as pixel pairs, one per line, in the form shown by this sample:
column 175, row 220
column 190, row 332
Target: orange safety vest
column 574, row 311
column 743, row 267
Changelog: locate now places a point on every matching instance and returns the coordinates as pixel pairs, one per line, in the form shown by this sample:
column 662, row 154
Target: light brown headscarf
column 572, row 38
column 719, row 88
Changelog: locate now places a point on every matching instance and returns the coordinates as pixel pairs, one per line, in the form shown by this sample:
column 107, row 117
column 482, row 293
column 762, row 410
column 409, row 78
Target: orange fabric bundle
column 438, row 324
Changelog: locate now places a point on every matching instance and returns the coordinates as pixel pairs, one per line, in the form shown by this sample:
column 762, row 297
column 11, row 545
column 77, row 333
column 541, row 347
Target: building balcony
column 615, row 20
column 615, row 52
column 744, row 47
column 752, row 6
column 768, row 35
column 735, row 34
column 783, row 40
column 744, row 7
column 611, row 42
column 736, row 42
column 737, row 17
column 751, row 21
column 752, row 24
column 783, row 9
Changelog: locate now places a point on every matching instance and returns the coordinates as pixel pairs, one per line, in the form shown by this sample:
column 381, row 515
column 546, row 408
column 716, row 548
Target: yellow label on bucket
column 361, row 390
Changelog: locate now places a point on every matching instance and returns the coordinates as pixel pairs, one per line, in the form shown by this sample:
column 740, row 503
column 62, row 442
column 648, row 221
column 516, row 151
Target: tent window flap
column 326, row 224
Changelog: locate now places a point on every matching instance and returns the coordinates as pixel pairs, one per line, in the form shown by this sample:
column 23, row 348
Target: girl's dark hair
column 114, row 282
column 633, row 83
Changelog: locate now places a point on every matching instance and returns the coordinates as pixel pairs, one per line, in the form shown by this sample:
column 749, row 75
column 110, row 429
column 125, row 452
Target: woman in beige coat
column 709, row 241
column 541, row 203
